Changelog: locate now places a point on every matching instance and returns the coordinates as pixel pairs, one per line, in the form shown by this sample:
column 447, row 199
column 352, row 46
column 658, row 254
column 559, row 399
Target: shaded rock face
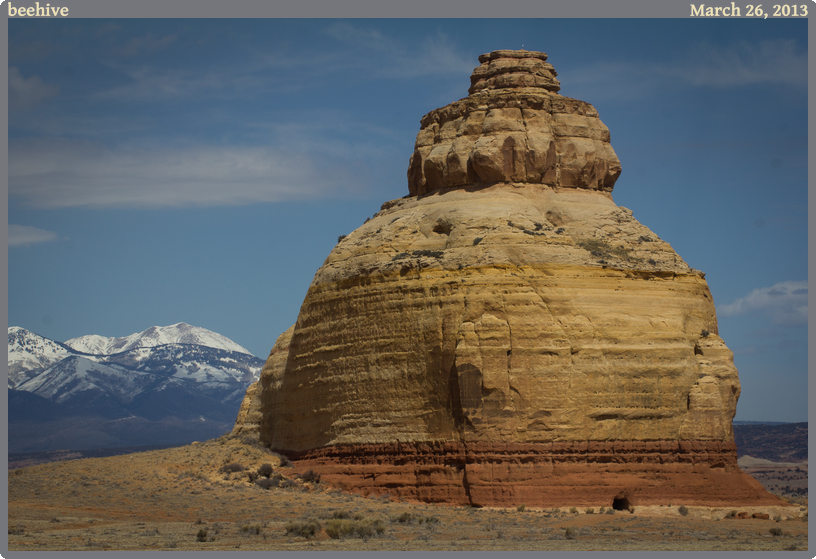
column 506, row 342
column 513, row 127
column 251, row 413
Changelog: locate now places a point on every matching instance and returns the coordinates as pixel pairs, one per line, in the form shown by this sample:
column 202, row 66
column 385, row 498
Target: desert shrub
column 340, row 238
column 268, row 483
column 307, row 529
column 265, row 470
column 601, row 510
column 252, row 476
column 705, row 333
column 775, row 532
column 778, row 518
column 590, row 511
column 251, row 529
column 404, row 518
column 521, row 507
column 731, row 514
column 683, row 510
column 610, row 510
column 16, row 530
column 231, row 468
column 569, row 533
column 340, row 528
column 202, row 535
column 574, row 510
column 284, row 461
column 429, row 520
column 310, row 475
column 601, row 249
column 288, row 484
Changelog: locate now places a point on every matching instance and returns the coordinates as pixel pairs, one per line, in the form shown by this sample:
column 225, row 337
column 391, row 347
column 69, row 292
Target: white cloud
column 786, row 303
column 50, row 173
column 25, row 93
column 25, row 235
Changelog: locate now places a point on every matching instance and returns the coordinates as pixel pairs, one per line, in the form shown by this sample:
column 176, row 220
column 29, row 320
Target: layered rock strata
column 510, row 339
column 250, row 416
column 513, row 127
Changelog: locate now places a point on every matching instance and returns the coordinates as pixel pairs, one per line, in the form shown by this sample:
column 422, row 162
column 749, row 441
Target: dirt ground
column 788, row 480
column 183, row 499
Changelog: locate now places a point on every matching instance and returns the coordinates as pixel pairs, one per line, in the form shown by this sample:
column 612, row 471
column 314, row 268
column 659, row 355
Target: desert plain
column 186, row 498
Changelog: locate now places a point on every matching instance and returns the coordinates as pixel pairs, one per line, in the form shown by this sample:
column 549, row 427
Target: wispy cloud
column 60, row 173
column 33, row 51
column 786, row 303
column 25, row 235
column 155, row 84
column 429, row 55
column 741, row 64
column 147, row 44
column 26, row 93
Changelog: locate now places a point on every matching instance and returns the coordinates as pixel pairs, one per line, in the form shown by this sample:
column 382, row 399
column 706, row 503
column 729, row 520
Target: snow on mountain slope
column 180, row 333
column 97, row 369
column 158, row 381
column 74, row 375
column 29, row 354
column 195, row 363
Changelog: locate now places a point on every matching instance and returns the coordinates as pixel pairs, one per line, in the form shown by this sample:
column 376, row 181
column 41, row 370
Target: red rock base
column 594, row 473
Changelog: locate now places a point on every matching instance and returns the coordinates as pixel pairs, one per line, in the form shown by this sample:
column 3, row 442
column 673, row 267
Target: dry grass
column 184, row 499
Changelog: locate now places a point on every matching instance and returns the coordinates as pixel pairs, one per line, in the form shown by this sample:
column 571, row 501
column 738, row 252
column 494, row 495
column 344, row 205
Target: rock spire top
column 514, row 127
column 509, row 69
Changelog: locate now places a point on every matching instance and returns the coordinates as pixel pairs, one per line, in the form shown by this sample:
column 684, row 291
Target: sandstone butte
column 506, row 334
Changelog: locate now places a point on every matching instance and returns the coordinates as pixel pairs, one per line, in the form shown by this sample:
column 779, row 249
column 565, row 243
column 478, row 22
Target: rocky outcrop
column 513, row 127
column 505, row 339
column 250, row 415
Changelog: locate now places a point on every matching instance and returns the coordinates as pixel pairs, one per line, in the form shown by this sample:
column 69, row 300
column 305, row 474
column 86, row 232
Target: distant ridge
column 762, row 422
column 781, row 442
column 179, row 333
column 165, row 385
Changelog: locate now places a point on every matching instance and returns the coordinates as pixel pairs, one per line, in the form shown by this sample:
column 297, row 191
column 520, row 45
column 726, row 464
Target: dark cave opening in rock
column 620, row 503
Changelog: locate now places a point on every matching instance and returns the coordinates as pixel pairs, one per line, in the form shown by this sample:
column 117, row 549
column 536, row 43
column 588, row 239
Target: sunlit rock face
column 513, row 127
column 506, row 333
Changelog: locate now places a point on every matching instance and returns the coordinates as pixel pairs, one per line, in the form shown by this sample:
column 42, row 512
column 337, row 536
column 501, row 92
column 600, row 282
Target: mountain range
column 166, row 385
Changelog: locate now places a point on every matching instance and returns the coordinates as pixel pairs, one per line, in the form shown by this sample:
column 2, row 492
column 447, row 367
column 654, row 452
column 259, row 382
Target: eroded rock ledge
column 589, row 473
column 514, row 126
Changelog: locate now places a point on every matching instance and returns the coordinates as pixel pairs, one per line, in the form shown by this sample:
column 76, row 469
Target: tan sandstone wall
column 507, row 334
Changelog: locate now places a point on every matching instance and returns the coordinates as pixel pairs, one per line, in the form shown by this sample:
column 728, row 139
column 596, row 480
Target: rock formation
column 248, row 422
column 506, row 334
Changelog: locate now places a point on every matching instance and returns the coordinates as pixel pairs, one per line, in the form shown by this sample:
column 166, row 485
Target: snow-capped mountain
column 180, row 333
column 184, row 378
column 30, row 354
column 77, row 378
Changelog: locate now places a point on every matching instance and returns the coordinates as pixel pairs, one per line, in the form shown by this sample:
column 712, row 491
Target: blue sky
column 201, row 170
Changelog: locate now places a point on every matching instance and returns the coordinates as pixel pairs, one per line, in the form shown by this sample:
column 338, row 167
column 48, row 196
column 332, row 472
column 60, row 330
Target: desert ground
column 201, row 497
